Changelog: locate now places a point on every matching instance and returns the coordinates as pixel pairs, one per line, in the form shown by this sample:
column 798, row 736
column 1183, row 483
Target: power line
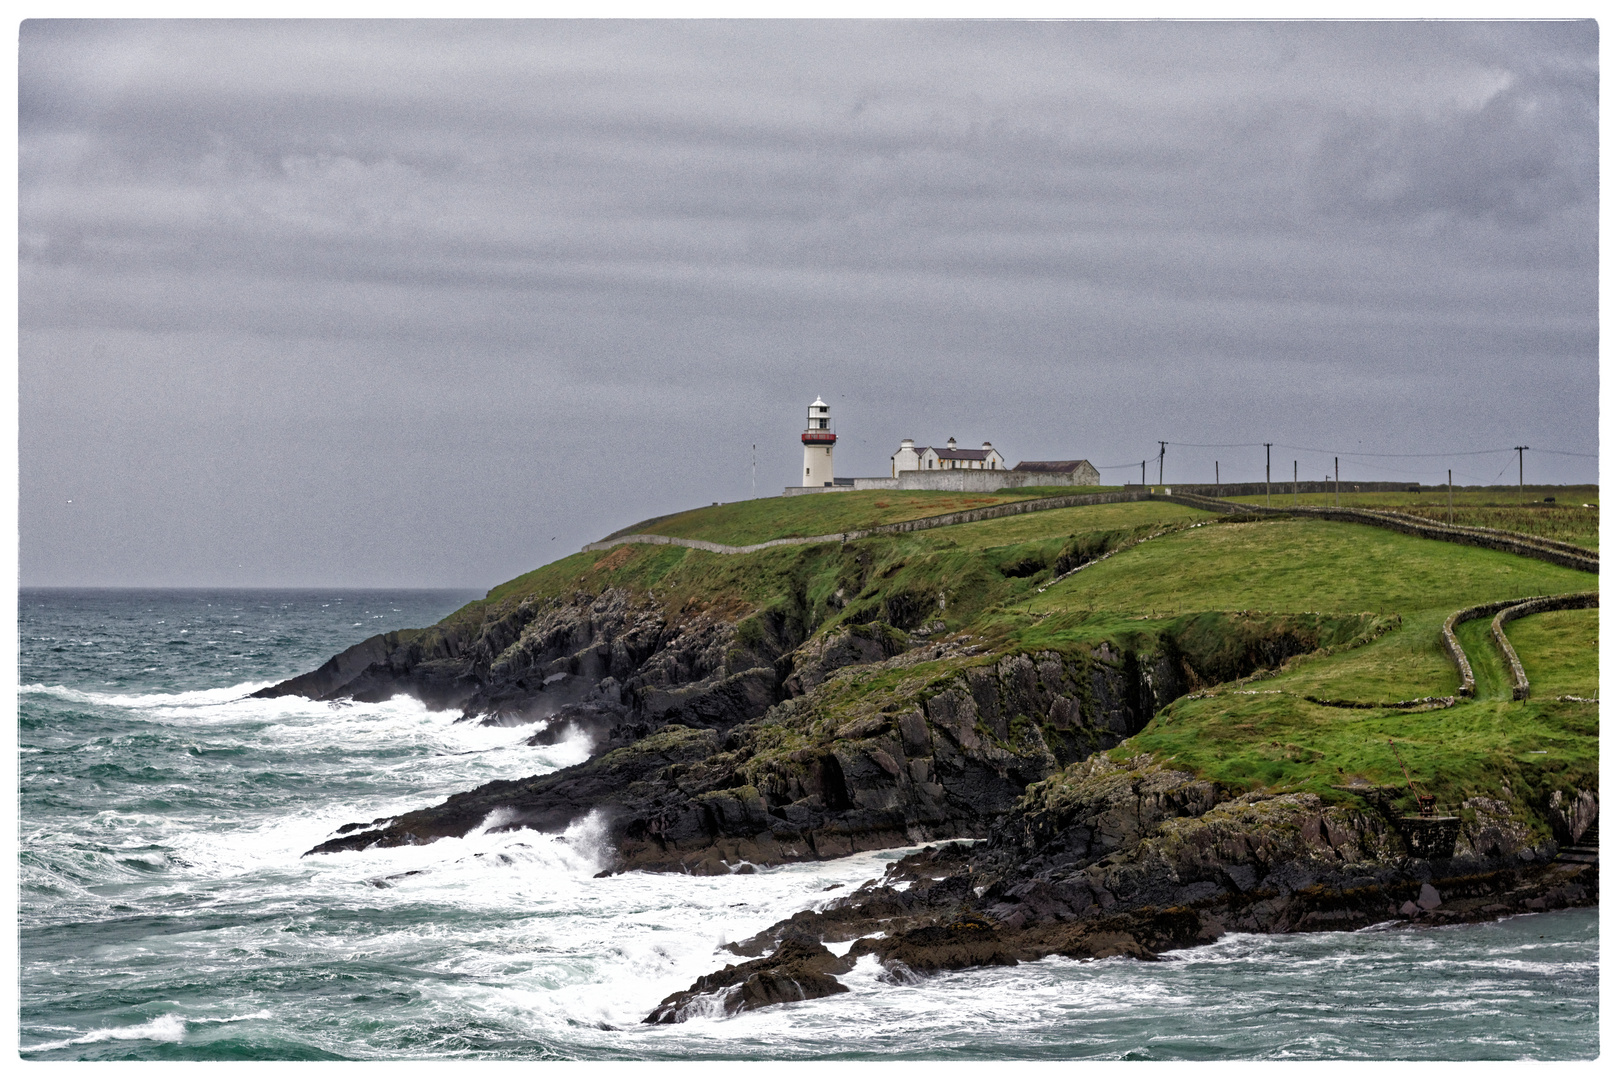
column 1368, row 453
column 1214, row 444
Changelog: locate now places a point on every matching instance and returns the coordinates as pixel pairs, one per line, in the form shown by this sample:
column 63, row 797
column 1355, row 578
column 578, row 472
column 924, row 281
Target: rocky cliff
column 719, row 773
column 1131, row 859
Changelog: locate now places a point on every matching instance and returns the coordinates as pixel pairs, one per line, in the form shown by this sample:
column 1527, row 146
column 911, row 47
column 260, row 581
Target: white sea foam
column 184, row 699
column 166, row 1028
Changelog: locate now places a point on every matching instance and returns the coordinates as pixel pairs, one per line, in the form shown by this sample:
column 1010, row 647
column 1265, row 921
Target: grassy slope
column 757, row 520
column 962, row 561
column 1264, row 734
column 1574, row 518
column 1259, row 734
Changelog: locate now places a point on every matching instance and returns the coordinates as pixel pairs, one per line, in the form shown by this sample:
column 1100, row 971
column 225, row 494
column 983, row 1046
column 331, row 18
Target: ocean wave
column 182, row 699
column 170, row 1027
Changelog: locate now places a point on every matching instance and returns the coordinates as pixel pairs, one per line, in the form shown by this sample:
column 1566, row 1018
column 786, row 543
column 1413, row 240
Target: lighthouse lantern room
column 818, row 439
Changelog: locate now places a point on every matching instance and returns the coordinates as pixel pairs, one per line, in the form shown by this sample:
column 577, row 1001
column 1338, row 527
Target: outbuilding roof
column 945, row 454
column 1048, row 466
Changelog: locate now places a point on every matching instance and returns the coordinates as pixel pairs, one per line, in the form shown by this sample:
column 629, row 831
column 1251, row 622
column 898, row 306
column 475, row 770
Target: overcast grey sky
column 336, row 303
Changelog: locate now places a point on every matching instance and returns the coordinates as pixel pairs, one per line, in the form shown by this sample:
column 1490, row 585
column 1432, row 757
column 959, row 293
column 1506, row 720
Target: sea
column 167, row 910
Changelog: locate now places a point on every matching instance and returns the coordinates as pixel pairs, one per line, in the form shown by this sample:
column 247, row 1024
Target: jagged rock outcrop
column 824, row 775
column 1572, row 816
column 798, row 970
column 861, row 643
column 1131, row 859
column 867, row 757
column 612, row 666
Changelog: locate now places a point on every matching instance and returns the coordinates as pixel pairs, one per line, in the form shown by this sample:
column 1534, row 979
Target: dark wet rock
column 861, row 643
column 547, row 803
column 1132, row 859
column 424, row 664
column 612, row 667
column 971, row 940
column 799, row 970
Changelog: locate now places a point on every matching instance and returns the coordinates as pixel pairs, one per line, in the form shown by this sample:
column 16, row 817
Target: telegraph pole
column 1337, row 482
column 755, row 470
column 1451, row 487
column 1267, row 473
column 1294, row 483
column 1143, row 473
column 1216, row 475
column 1162, row 448
column 1519, row 450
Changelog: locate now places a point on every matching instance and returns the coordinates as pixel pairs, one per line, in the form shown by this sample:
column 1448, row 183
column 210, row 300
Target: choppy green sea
column 167, row 911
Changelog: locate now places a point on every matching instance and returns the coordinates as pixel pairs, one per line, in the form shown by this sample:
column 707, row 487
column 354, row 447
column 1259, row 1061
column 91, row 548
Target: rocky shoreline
column 1135, row 860
column 724, row 742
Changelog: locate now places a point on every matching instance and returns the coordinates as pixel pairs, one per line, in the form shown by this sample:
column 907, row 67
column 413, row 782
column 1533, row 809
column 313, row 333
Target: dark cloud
column 395, row 302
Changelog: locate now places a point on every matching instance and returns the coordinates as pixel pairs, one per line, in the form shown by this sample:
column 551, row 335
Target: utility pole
column 1451, row 488
column 1294, row 483
column 755, row 470
column 1519, row 450
column 1162, row 448
column 1338, row 482
column 1267, row 473
column 1143, row 472
column 1216, row 476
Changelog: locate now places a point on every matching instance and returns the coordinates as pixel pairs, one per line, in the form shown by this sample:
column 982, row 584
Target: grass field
column 977, row 565
column 1280, row 742
column 757, row 520
column 1574, row 518
column 1558, row 651
column 1301, row 565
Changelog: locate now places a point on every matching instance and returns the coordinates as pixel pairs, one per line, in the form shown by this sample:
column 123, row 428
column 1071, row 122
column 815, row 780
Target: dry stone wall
column 1571, row 602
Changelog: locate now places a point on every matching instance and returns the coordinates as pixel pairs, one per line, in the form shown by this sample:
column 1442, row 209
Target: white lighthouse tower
column 818, row 439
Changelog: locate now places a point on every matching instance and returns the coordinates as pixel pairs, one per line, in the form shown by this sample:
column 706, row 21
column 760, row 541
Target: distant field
column 756, row 520
column 1303, row 565
column 1574, row 518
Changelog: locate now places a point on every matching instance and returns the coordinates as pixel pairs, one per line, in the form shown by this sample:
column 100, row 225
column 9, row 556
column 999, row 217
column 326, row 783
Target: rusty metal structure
column 1425, row 802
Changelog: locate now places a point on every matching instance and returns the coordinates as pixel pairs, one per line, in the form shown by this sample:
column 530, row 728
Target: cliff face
column 613, row 666
column 937, row 741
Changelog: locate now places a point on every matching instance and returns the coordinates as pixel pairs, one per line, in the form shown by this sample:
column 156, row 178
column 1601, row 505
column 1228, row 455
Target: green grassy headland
column 1374, row 600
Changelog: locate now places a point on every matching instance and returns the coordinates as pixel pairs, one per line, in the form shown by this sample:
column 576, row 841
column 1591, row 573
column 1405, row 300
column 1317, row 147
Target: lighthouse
column 818, row 439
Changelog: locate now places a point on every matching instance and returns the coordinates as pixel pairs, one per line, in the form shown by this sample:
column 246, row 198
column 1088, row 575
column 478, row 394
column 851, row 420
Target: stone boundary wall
column 1569, row 602
column 938, row 521
column 978, row 481
column 1279, row 488
column 1452, row 645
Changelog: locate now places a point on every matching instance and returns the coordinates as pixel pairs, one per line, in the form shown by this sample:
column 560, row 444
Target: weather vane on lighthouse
column 818, row 439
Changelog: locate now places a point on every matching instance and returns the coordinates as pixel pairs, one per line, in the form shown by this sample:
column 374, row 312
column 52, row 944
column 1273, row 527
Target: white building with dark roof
column 910, row 458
